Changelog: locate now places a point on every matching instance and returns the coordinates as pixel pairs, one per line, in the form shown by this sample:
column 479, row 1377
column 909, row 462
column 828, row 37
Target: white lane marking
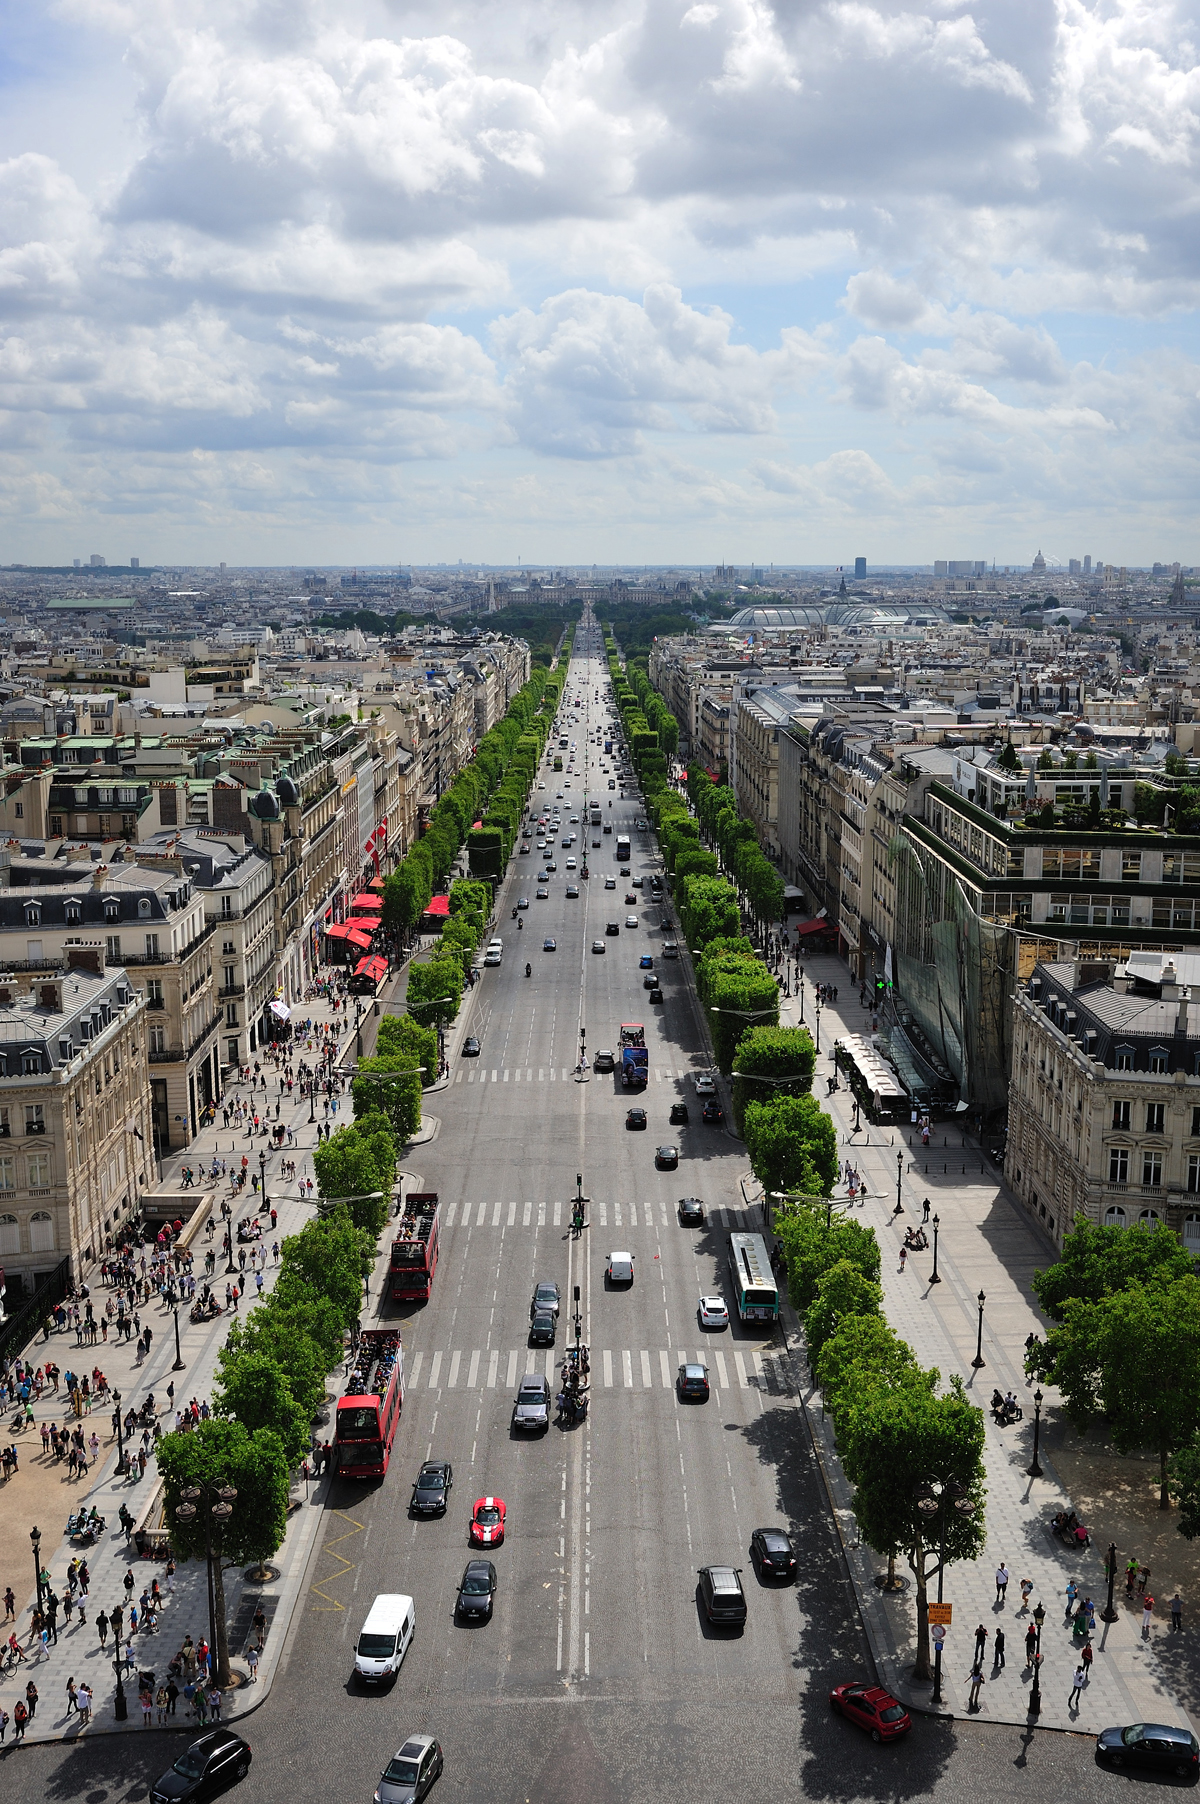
column 740, row 1363
column 511, row 1379
column 435, row 1366
column 645, row 1371
column 627, row 1369
column 473, row 1371
column 558, row 1215
column 415, row 1370
column 516, row 1075
column 617, row 1210
column 722, row 1374
column 604, row 1215
column 495, row 1074
column 550, row 1365
column 453, row 1378
column 506, row 1074
column 449, row 1219
column 664, row 1366
column 512, row 1213
column 493, row 1367
column 496, row 1214
column 541, row 1074
column 458, row 1077
column 541, row 1215
column 481, row 1214
column 607, row 1368
column 471, row 1075
column 525, row 1214
column 553, row 1074
column 758, row 1370
column 529, row 1077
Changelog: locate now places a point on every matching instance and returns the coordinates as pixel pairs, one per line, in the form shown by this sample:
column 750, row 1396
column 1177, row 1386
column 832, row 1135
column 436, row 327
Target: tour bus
column 369, row 1411
column 754, row 1288
column 623, row 849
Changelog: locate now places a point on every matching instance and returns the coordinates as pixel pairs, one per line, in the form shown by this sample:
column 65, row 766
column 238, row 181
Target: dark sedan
column 666, row 1158
column 431, row 1488
column 679, row 1114
column 691, row 1212
column 772, row 1552
column 542, row 1329
column 1152, row 1746
column 207, row 1766
column 470, row 1047
column 476, row 1591
column 635, row 1118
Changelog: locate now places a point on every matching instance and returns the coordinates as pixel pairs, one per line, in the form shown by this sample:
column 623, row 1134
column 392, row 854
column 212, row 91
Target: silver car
column 410, row 1772
column 531, row 1411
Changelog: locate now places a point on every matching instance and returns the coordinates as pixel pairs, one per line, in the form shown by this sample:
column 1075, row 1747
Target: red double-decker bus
column 368, row 1414
column 415, row 1248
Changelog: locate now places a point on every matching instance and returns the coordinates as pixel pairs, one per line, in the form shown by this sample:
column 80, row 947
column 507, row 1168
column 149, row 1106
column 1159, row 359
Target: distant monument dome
column 1039, row 562
column 289, row 792
column 845, row 613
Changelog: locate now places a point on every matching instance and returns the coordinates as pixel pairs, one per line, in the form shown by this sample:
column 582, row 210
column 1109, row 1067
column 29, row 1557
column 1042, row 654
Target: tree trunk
column 1164, row 1498
column 921, row 1667
column 222, row 1648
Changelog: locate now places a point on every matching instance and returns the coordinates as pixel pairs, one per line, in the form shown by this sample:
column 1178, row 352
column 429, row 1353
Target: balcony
column 176, row 1056
column 232, row 989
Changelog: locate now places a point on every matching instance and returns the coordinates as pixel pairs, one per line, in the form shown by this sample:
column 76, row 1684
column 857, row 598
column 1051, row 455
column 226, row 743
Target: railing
column 232, row 989
column 22, row 1324
column 176, row 1055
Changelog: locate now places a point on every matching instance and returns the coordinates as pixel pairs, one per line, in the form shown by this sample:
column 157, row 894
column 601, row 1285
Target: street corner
column 429, row 1129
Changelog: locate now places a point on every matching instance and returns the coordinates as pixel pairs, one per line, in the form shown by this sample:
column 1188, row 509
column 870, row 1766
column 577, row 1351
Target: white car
column 713, row 1313
column 705, row 1085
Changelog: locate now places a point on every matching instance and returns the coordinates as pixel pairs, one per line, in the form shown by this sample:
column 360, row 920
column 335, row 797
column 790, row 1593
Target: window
column 19, row 810
column 35, row 1118
column 41, row 1232
column 233, row 1056
column 1118, row 1164
column 1154, row 1117
column 31, row 1063
column 231, row 1014
column 56, row 826
column 66, row 1051
column 158, row 1042
column 1149, row 1218
column 1121, row 1114
column 33, row 914
column 1195, row 1121
column 74, row 913
column 38, row 1168
column 1193, row 1175
column 1124, row 1058
column 112, row 911
column 1151, row 1170
column 10, row 1231
column 5, row 1129
column 151, row 945
column 1115, row 1218
column 143, row 906
column 1158, row 1059
column 154, row 992
column 1191, row 1233
column 112, row 947
column 226, row 905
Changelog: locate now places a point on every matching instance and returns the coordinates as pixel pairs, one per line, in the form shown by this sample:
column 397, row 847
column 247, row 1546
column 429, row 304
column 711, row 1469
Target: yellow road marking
column 331, row 1603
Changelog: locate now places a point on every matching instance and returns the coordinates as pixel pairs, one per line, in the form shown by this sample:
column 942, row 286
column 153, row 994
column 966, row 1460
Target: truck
column 594, row 814
column 635, row 1060
column 415, row 1248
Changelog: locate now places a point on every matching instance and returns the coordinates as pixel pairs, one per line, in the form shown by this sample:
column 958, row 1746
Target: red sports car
column 487, row 1522
column 871, row 1708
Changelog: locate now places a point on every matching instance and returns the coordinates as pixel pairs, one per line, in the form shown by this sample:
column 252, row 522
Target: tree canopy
column 1097, row 1261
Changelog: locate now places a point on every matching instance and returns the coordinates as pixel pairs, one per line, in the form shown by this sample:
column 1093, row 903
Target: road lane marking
column 633, row 1215
column 550, row 1366
column 758, row 1370
column 608, row 1368
column 604, row 1215
column 664, row 1366
column 493, row 1367
column 525, row 1214
column 347, row 1566
column 481, row 1214
column 453, row 1378
column 435, row 1367
column 505, row 1074
column 722, row 1374
column 414, row 1374
column 512, row 1372
column 553, row 1074
column 541, row 1215
column 473, row 1372
column 449, row 1221
column 740, row 1363
column 541, row 1074
column 494, row 1076
column 645, row 1370
column 512, row 1214
column 627, row 1369
column 558, row 1215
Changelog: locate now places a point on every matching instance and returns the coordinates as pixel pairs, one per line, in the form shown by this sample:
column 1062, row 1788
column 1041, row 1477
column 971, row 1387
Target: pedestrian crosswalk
column 627, row 1368
column 649, row 1213
column 558, row 1074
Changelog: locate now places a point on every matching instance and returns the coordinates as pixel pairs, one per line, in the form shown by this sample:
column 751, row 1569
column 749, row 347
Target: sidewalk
column 50, row 1497
column 985, row 1244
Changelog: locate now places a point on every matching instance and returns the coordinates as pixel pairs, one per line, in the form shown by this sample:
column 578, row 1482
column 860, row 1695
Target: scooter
column 529, row 970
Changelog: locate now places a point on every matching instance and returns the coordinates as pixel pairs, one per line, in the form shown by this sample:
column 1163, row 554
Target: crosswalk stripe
column 493, row 1367
column 633, row 1215
column 627, row 1369
column 607, row 1368
column 473, row 1371
column 758, row 1370
column 512, row 1372
column 494, row 1075
column 541, row 1074
column 529, row 1077
column 550, row 1364
column 664, row 1366
column 541, row 1215
column 604, row 1215
column 496, row 1214
column 512, row 1213
column 516, row 1077
column 434, row 1370
column 722, row 1374
column 506, row 1074
column 740, row 1363
column 558, row 1215
column 458, row 1077
column 525, row 1214
column 481, row 1214
column 414, row 1370
column 453, row 1378
column 481, row 1369
column 553, row 1074
column 645, row 1370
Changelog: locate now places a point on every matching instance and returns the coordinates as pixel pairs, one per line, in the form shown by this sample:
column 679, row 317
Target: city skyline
column 624, row 282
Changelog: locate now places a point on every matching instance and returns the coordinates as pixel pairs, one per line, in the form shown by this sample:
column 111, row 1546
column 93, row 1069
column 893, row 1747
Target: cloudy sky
column 599, row 280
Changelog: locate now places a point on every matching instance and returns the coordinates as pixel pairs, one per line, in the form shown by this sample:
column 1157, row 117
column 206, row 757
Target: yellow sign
column 941, row 1613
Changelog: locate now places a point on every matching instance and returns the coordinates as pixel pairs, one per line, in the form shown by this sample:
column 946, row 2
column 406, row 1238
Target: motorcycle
column 520, row 924
column 529, row 970
column 84, row 1529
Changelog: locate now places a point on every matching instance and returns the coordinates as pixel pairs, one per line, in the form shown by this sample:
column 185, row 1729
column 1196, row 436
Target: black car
column 666, row 1158
column 476, row 1591
column 650, row 981
column 470, row 1048
column 691, row 1211
column 635, row 1118
column 711, row 1110
column 207, row 1766
column 772, row 1552
column 679, row 1114
column 655, row 994
column 603, row 1060
column 1153, row 1746
column 432, row 1487
column 542, row 1329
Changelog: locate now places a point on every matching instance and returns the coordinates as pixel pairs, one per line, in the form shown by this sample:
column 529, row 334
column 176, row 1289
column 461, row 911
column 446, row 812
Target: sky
column 613, row 281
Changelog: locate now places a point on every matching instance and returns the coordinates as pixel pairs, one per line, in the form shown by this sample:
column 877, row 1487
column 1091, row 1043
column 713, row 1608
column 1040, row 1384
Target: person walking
column 1077, row 1687
column 976, row 1687
column 1072, row 1594
column 146, row 1699
column 981, row 1636
column 72, row 1697
column 998, row 1651
column 31, row 1699
column 20, row 1722
column 1030, row 1644
column 1001, row 1582
column 1086, row 1656
column 1147, row 1613
column 10, row 1604
column 1026, row 1594
column 1131, row 1572
column 252, row 1663
column 214, row 1704
column 1143, row 1579
column 85, row 1705
column 3, row 1725
column 1176, row 1614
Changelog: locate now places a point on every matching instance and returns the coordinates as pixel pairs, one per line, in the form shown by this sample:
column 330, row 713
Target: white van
column 494, row 953
column 385, row 1638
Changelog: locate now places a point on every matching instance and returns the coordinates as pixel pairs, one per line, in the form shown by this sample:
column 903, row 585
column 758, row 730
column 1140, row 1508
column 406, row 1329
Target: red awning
column 338, row 931
column 375, row 883
column 439, row 905
column 357, row 936
column 366, row 904
column 813, row 927
column 374, row 968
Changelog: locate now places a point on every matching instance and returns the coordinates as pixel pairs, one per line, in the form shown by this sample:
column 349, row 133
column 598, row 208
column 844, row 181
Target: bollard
column 945, row 1169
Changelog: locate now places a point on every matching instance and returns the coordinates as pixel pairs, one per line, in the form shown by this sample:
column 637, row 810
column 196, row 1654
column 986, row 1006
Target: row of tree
column 1126, row 1348
column 912, row 1449
column 735, row 839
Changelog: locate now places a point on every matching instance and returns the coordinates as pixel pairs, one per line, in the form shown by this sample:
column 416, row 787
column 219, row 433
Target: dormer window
column 31, row 1064
column 65, row 1051
column 33, row 914
column 1123, row 1058
column 144, row 906
column 112, row 910
column 74, row 913
column 1158, row 1059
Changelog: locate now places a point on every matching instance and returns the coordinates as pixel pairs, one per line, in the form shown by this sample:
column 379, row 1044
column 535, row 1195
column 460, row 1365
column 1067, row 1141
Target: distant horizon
column 574, row 571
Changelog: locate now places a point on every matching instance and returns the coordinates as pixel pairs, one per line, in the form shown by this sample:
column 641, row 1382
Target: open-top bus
column 368, row 1413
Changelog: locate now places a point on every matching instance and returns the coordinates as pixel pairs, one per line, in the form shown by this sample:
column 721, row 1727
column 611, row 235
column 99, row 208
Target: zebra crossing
column 647, row 1214
column 555, row 1074
column 627, row 1368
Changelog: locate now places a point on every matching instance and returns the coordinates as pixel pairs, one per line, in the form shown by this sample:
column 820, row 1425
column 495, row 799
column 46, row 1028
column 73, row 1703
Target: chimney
column 86, row 957
column 99, row 875
column 1170, row 989
column 49, row 995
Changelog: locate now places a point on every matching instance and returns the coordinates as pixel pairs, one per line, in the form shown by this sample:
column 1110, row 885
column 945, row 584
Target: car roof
column 719, row 1301
column 692, row 1369
column 724, row 1578
column 774, row 1534
column 413, row 1747
column 216, row 1738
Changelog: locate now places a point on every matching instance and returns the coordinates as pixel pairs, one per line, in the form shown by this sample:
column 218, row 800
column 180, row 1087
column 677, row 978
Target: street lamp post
column 262, row 1181
column 1035, row 1690
column 933, row 1277
column 120, row 1706
column 800, row 987
column 1033, row 1469
column 1109, row 1613
column 219, row 1512
column 180, row 1362
column 899, row 1209
column 312, row 1098
column 35, row 1539
column 817, row 1042
column 116, row 1397
column 979, row 1361
column 934, row 1498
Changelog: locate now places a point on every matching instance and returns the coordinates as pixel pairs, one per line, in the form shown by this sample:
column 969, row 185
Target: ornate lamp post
column 180, row 1362
column 116, row 1397
column 933, row 1276
column 120, row 1707
column 935, row 1497
column 899, row 1209
column 979, row 1361
column 1035, row 1690
column 219, row 1502
column 1109, row 1613
column 35, row 1541
column 1033, row 1469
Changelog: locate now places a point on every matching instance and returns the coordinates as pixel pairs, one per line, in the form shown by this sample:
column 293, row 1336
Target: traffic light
column 881, row 986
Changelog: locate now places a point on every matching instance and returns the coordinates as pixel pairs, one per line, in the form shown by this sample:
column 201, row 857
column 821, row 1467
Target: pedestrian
column 146, row 1699
column 214, row 1704
column 976, row 1687
column 3, row 1725
column 1030, row 1644
column 20, row 1719
column 1143, row 1579
column 1131, row 1572
column 1001, row 1582
column 1072, row 1594
column 903, row 1258
column 1176, row 1614
column 129, row 1583
column 10, row 1604
column 31, row 1699
column 85, row 1705
column 1077, row 1687
column 172, row 1695
column 1087, row 1655
column 72, row 1697
column 161, row 1702
column 252, row 1663
column 998, row 1651
column 102, row 1629
column 1147, row 1613
column 981, row 1636
column 1026, row 1594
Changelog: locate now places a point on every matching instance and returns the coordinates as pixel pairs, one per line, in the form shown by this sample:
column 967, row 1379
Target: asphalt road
column 597, row 1678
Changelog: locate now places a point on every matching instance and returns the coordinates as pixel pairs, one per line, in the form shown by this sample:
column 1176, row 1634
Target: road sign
column 942, row 1613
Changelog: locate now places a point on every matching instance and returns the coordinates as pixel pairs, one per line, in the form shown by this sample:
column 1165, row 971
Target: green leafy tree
column 415, row 1045
column 349, row 1166
column 842, row 1291
column 285, row 1336
column 896, row 1440
column 435, row 991
column 791, row 1141
column 1097, row 1261
column 1008, row 759
column 389, row 1085
column 863, row 1354
column 1183, row 1476
column 738, row 995
column 327, row 1257
column 784, row 1056
column 220, row 1454
column 254, row 1389
column 1133, row 1358
column 811, row 1247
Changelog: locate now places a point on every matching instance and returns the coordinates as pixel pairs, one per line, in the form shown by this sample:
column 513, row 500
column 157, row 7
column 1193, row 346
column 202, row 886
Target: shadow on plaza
column 97, row 1769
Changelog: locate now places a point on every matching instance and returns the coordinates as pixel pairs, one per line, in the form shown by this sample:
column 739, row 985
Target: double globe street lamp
column 219, row 1501
column 935, row 1498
